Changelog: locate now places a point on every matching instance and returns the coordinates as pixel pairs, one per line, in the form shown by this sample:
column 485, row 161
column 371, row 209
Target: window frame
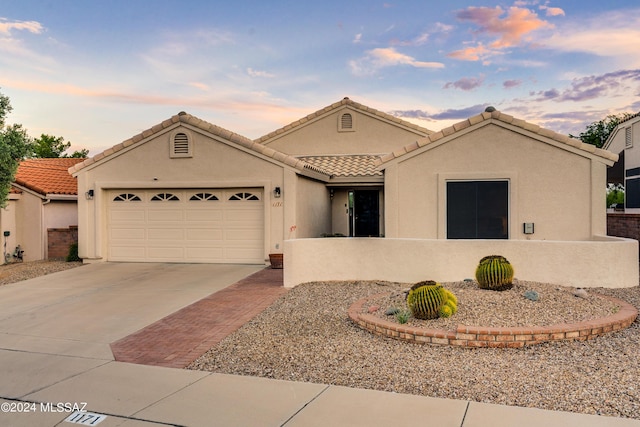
column 512, row 197
column 478, row 187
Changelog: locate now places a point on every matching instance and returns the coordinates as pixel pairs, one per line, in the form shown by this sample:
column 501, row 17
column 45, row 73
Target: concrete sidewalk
column 138, row 395
column 54, row 358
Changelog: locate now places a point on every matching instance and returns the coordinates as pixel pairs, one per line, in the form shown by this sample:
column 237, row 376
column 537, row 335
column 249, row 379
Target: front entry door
column 365, row 221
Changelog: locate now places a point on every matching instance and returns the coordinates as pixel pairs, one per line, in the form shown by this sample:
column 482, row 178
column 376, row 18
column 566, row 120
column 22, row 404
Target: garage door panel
column 165, row 253
column 165, row 215
column 165, row 234
column 208, row 254
column 127, row 216
column 210, row 215
column 197, row 227
column 242, row 234
column 214, row 234
column 128, row 233
column 243, row 215
column 126, row 252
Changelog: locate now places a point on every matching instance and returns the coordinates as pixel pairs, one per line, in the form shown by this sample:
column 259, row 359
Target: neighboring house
column 625, row 141
column 43, row 196
column 189, row 191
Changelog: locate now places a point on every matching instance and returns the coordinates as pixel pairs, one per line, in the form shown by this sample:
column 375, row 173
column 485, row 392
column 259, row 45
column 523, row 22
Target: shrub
column 72, row 256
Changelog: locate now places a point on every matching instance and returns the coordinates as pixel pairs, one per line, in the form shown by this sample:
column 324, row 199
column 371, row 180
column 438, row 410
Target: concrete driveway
column 78, row 312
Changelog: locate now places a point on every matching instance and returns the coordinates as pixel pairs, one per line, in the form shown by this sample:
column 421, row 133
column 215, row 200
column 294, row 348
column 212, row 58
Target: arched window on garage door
column 203, row 197
column 126, row 197
column 244, row 196
column 163, row 197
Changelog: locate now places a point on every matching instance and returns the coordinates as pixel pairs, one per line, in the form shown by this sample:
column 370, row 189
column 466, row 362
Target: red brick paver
column 180, row 338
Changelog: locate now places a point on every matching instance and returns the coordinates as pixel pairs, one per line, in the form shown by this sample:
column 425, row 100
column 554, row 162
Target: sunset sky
column 99, row 72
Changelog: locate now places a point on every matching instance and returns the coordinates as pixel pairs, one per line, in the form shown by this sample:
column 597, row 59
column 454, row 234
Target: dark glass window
column 632, row 193
column 477, row 210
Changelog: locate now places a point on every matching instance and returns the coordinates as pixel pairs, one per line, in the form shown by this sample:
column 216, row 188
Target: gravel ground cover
column 477, row 307
column 18, row 271
column 307, row 336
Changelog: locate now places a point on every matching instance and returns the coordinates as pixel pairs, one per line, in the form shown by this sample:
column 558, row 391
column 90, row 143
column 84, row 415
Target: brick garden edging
column 505, row 337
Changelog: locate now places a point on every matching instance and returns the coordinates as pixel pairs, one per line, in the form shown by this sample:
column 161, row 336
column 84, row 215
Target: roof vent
column 180, row 145
column 182, row 113
column 489, row 109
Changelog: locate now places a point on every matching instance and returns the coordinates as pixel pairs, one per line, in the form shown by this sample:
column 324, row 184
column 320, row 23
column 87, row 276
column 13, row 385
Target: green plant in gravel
column 429, row 300
column 402, row 316
column 494, row 272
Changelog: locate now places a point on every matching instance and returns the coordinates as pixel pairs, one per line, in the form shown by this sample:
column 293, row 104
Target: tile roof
column 504, row 118
column 340, row 104
column 185, row 118
column 48, row 176
column 354, row 165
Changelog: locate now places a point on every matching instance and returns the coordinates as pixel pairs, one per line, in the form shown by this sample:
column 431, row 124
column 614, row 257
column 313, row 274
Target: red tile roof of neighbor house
column 48, row 176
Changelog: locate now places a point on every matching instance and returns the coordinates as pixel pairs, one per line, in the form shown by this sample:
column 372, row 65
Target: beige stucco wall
column 603, row 262
column 372, row 134
column 313, row 209
column 60, row 214
column 8, row 223
column 29, row 224
column 215, row 164
column 27, row 218
column 558, row 188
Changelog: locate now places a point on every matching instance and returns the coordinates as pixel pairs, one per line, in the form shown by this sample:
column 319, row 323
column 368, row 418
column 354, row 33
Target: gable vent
column 180, row 144
column 628, row 142
column 346, row 122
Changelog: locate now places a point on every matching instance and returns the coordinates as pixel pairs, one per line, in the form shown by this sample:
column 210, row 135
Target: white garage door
column 207, row 226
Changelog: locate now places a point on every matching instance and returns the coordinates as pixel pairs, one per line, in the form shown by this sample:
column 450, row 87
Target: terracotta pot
column 276, row 260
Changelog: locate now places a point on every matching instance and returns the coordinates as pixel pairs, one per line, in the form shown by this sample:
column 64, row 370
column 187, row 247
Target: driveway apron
column 79, row 312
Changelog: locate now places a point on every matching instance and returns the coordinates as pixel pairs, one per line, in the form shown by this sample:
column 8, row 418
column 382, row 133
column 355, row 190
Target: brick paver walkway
column 182, row 337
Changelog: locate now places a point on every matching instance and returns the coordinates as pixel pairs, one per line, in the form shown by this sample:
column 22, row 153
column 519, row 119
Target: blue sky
column 99, row 72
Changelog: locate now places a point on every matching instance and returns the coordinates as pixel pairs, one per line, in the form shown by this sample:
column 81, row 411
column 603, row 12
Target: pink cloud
column 474, row 53
column 376, row 59
column 31, row 26
column 552, row 11
column 508, row 31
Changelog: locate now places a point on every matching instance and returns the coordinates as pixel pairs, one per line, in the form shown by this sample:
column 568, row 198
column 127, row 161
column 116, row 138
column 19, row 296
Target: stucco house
column 625, row 141
column 189, row 191
column 43, row 196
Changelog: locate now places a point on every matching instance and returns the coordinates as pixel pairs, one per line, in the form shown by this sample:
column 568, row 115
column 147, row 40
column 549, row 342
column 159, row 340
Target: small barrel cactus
column 494, row 273
column 429, row 300
column 450, row 306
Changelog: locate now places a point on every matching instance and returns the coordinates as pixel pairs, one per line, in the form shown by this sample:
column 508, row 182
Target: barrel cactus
column 494, row 273
column 429, row 300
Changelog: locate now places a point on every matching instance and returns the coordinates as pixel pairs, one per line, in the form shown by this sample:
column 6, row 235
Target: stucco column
column 391, row 202
column 598, row 198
